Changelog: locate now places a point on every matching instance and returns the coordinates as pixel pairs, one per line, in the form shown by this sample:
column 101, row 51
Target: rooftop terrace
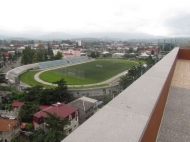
column 175, row 121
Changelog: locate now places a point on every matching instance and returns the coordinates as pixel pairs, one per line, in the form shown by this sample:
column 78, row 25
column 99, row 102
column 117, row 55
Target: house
column 6, row 54
column 9, row 129
column 86, row 106
column 17, row 105
column 62, row 110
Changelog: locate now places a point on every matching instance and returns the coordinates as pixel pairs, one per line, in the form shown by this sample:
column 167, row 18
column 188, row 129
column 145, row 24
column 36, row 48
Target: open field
column 94, row 72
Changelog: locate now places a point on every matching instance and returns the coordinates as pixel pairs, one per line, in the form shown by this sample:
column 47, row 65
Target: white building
column 118, row 55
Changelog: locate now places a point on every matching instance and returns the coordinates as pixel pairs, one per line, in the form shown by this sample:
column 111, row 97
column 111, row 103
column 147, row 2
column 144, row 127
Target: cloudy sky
column 155, row 17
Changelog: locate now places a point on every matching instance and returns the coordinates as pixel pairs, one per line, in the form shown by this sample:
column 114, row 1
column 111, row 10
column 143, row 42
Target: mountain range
column 39, row 35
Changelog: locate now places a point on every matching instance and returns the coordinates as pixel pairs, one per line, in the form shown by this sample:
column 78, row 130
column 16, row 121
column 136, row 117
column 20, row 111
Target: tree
column 45, row 56
column 56, row 126
column 31, row 94
column 61, row 91
column 40, row 57
column 50, row 51
column 37, row 135
column 2, row 77
column 10, row 57
column 125, row 80
column 152, row 52
column 4, row 58
column 93, row 55
column 133, row 73
column 27, row 110
column 35, row 57
column 55, row 132
column 25, row 59
column 28, row 126
column 130, row 50
column 59, row 55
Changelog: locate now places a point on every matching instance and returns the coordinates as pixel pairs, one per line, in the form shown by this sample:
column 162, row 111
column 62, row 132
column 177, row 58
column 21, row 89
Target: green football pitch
column 88, row 73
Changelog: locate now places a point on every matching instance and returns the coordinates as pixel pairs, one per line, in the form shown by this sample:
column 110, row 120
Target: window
column 70, row 117
column 76, row 116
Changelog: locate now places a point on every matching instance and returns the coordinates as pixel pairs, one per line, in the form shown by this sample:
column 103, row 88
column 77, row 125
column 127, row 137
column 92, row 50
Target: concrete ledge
column 127, row 116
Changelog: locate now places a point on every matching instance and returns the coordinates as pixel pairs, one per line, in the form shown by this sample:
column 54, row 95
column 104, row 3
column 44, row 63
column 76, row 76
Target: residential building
column 62, row 110
column 9, row 129
column 86, row 106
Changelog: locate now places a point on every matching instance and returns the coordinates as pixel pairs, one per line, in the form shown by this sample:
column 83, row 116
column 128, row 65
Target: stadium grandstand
column 77, row 59
column 12, row 75
column 52, row 63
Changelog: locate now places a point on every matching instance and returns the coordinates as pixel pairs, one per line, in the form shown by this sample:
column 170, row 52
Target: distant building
column 71, row 53
column 9, row 129
column 118, row 55
column 86, row 106
column 144, row 55
column 79, row 42
column 6, row 54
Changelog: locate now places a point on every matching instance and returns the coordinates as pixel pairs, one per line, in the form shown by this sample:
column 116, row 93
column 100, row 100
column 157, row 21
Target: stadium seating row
column 77, row 59
column 52, row 63
column 19, row 70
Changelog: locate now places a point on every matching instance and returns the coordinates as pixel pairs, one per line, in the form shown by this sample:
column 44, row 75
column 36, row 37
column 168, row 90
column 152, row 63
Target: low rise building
column 86, row 106
column 62, row 110
column 9, row 129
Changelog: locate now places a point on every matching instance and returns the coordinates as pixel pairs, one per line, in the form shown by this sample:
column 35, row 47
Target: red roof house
column 62, row 110
column 17, row 104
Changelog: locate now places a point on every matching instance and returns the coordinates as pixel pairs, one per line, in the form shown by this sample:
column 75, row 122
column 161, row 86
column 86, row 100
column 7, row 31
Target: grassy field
column 92, row 74
column 28, row 78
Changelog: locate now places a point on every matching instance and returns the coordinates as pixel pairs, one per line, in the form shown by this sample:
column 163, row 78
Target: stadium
column 84, row 76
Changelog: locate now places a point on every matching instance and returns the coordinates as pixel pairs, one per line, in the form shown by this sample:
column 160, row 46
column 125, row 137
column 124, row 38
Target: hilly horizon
column 40, row 35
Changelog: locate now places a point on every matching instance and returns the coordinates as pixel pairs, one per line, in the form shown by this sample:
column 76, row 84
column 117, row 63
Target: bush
column 29, row 126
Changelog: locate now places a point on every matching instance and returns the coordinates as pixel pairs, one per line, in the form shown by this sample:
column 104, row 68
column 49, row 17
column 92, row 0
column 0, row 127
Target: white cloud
column 147, row 16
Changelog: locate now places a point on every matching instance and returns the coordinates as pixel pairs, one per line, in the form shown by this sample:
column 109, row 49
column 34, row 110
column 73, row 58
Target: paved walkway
column 175, row 126
column 110, row 81
column 181, row 77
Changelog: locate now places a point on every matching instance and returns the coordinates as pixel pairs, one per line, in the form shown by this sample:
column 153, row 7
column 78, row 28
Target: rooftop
column 81, row 104
column 62, row 110
column 7, row 124
column 88, row 99
column 19, row 104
